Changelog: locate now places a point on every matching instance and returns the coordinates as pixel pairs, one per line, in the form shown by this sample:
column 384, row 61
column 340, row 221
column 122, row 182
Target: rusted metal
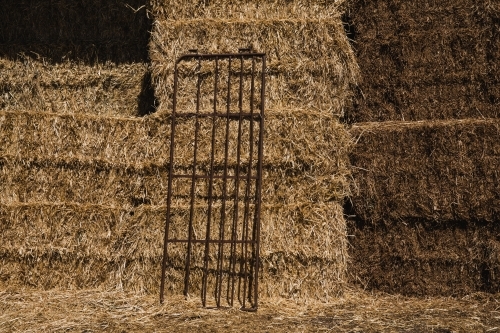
column 230, row 192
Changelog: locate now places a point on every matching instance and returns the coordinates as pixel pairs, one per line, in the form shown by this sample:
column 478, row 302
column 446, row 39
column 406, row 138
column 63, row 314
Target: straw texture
column 95, row 310
column 442, row 170
column 425, row 206
column 426, row 59
column 69, row 245
column 424, row 258
column 310, row 62
column 80, row 203
column 85, row 108
column 74, row 87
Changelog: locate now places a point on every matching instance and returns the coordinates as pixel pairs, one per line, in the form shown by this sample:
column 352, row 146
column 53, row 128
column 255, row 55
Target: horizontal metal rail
column 213, row 177
column 220, row 115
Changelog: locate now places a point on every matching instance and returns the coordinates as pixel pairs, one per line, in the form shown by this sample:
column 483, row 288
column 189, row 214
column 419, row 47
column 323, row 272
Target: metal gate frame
column 249, row 267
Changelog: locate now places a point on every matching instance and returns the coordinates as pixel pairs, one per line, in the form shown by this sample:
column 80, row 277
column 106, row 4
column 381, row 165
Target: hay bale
column 314, row 72
column 54, row 180
column 301, row 141
column 426, row 60
column 424, row 258
column 69, row 87
column 436, row 171
column 94, row 139
column 97, row 246
column 239, row 9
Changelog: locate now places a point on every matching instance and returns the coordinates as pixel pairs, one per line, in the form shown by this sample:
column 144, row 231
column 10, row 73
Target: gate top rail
column 211, row 56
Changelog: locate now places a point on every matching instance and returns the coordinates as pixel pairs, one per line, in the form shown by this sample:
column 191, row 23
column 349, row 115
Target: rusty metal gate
column 212, row 230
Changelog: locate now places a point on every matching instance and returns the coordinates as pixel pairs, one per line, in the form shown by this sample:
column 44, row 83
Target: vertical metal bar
column 256, row 229
column 218, row 282
column 232, row 263
column 259, row 181
column 244, row 245
column 210, row 190
column 193, row 182
column 169, row 186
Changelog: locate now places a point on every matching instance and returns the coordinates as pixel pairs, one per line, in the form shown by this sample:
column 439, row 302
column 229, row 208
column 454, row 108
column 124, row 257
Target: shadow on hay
column 424, row 258
column 418, row 66
column 147, row 101
column 91, row 31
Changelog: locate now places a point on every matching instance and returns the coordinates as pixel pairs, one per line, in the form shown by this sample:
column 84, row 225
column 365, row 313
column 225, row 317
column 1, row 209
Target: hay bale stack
column 425, row 185
column 426, row 59
column 85, row 183
column 425, row 195
column 311, row 70
column 88, row 192
column 75, row 57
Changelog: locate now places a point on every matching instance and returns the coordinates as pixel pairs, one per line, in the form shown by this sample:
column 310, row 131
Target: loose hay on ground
column 91, row 310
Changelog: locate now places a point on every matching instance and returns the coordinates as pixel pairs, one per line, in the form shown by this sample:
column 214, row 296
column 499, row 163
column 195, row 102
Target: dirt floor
column 356, row 311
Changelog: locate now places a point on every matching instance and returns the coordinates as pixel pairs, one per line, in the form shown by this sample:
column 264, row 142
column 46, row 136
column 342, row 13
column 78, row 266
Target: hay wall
column 426, row 59
column 425, row 186
column 84, row 184
column 425, row 206
column 83, row 196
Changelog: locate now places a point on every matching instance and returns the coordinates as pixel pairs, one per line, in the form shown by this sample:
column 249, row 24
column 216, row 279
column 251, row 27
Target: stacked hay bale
column 310, row 72
column 427, row 60
column 425, row 164
column 82, row 201
column 75, row 57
